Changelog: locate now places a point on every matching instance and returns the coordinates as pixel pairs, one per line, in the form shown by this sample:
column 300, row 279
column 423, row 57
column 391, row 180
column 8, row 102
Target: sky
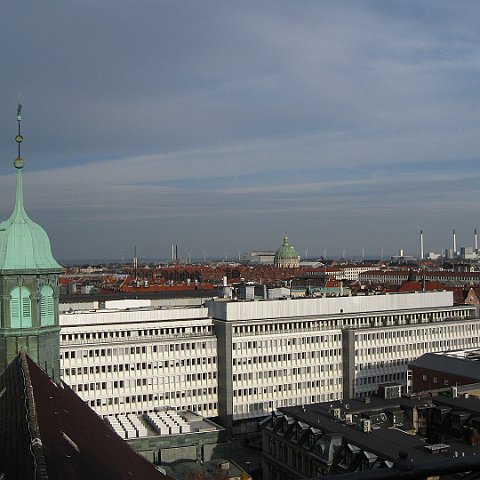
column 220, row 125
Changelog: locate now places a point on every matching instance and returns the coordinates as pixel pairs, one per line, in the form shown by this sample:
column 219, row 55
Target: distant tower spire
column 454, row 242
column 19, row 163
column 476, row 240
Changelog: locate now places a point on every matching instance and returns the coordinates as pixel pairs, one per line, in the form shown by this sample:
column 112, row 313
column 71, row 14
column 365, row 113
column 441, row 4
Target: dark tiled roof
column 471, row 404
column 449, row 365
column 16, row 459
column 75, row 442
column 384, row 440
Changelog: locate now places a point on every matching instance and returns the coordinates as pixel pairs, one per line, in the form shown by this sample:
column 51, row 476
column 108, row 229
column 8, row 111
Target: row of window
column 356, row 321
column 99, row 386
column 21, row 307
column 287, row 357
column 160, row 380
column 157, row 332
column 435, row 380
column 268, row 406
column 388, row 377
column 115, row 352
column 381, row 364
column 287, row 372
column 125, row 367
column 287, row 387
column 208, row 408
column 285, row 342
column 422, row 346
column 419, row 332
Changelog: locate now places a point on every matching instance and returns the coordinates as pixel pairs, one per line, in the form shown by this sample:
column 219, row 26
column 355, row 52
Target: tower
column 286, row 256
column 28, row 285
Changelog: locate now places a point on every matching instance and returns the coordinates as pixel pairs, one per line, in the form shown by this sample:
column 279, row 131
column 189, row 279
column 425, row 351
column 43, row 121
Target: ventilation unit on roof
column 366, row 425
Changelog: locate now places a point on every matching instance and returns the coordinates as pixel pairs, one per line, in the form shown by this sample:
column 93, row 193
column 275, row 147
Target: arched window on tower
column 20, row 308
column 47, row 308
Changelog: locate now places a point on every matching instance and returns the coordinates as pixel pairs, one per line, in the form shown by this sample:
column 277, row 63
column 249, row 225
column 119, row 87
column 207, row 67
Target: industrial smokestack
column 476, row 240
column 135, row 262
column 421, row 244
column 454, row 242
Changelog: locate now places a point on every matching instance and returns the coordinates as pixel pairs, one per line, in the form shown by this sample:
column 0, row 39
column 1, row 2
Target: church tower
column 29, row 287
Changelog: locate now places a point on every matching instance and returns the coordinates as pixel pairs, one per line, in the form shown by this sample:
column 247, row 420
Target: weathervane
column 19, row 162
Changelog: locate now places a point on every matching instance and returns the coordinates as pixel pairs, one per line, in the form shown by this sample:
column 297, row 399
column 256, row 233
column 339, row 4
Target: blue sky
column 220, row 125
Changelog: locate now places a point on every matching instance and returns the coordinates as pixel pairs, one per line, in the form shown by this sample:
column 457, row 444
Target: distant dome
column 286, row 256
column 24, row 245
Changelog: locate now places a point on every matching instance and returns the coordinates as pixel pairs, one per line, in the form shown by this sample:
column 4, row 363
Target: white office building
column 135, row 359
column 242, row 359
column 289, row 352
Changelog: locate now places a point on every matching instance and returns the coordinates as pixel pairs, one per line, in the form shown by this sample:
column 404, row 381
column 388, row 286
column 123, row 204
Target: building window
column 47, row 309
column 20, row 308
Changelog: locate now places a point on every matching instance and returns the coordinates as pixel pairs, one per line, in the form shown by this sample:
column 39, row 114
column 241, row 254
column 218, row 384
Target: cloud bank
column 221, row 125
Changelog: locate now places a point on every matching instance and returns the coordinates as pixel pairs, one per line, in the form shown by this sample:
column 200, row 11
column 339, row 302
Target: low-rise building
column 433, row 371
column 166, row 437
column 309, row 441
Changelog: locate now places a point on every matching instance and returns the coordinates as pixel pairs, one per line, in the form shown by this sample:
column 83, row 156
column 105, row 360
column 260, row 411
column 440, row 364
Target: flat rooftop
column 159, row 423
column 384, row 439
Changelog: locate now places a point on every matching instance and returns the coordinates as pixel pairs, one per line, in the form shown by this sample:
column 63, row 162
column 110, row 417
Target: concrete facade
column 239, row 360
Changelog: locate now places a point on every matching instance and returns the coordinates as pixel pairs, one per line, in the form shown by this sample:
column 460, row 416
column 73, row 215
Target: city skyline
column 350, row 126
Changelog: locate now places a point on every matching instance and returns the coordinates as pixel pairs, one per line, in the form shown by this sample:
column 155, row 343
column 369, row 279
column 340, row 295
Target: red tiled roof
column 418, row 286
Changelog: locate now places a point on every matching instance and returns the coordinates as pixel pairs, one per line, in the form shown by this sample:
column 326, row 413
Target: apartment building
column 397, row 277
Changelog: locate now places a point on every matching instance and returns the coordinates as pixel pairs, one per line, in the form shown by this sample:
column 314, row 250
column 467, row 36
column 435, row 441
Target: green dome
column 24, row 245
column 285, row 252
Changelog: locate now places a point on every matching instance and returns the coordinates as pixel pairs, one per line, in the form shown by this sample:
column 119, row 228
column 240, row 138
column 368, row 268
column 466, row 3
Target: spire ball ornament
column 19, row 162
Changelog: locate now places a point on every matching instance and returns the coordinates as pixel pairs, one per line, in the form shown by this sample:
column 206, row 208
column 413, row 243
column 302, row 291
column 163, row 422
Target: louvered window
column 47, row 309
column 20, row 308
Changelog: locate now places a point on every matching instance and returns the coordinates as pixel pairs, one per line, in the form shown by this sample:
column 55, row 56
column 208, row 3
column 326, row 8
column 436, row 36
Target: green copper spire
column 24, row 245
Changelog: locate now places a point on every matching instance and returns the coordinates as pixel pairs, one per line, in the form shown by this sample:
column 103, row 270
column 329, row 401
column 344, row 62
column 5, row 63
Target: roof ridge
column 36, row 445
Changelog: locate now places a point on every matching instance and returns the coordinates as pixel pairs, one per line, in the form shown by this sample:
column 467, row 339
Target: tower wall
column 40, row 341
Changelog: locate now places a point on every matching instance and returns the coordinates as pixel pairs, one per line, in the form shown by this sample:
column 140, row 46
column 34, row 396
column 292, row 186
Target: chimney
column 454, row 242
column 421, row 244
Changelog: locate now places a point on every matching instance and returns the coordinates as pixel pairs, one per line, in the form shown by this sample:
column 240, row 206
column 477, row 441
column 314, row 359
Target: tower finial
column 19, row 162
